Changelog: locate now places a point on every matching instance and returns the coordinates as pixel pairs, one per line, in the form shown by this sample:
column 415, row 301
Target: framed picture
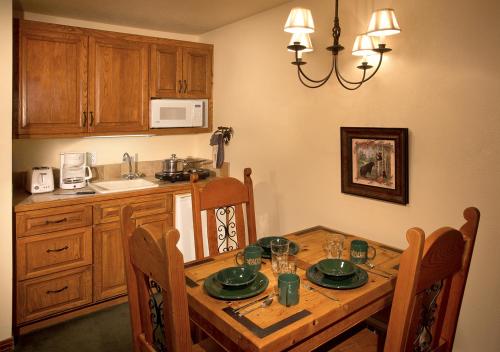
column 375, row 163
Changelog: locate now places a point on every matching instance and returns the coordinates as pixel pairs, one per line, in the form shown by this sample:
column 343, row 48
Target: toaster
column 40, row 180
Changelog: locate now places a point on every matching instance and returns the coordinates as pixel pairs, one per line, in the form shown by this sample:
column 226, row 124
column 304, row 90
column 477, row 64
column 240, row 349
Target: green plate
column 215, row 289
column 358, row 279
column 265, row 242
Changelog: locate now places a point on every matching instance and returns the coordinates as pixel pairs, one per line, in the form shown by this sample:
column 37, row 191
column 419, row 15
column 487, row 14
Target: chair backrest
column 430, row 286
column 159, row 269
column 223, row 200
column 138, row 302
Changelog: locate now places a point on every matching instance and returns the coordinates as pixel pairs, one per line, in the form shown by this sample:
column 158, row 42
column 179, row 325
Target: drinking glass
column 279, row 256
column 334, row 245
column 291, row 267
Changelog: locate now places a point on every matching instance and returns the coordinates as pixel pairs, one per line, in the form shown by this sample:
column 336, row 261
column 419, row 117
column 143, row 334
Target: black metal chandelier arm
column 376, row 69
column 363, row 80
column 307, row 84
column 357, row 85
column 326, row 78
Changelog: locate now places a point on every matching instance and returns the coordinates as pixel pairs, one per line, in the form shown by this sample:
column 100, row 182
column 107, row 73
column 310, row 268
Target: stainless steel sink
column 121, row 185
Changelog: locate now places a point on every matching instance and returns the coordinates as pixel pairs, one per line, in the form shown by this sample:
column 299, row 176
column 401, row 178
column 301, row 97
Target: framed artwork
column 374, row 163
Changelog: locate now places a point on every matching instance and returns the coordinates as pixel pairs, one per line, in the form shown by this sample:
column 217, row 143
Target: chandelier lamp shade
column 300, row 23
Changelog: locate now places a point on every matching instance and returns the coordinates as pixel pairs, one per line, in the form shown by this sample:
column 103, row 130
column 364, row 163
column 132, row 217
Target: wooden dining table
column 321, row 314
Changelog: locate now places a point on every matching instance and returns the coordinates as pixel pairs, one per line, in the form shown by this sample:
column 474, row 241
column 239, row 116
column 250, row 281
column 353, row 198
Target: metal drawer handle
column 91, row 118
column 185, row 86
column 57, row 291
column 57, row 250
column 84, row 122
column 180, row 86
column 48, row 222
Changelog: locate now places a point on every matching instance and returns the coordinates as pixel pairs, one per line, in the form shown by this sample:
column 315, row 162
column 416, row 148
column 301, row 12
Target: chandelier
column 300, row 23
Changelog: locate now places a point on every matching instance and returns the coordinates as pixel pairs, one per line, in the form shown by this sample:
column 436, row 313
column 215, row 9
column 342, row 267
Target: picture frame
column 374, row 163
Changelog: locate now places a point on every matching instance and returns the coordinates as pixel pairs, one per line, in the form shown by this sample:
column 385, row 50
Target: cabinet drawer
column 151, row 205
column 40, row 297
column 107, row 212
column 55, row 219
column 49, row 253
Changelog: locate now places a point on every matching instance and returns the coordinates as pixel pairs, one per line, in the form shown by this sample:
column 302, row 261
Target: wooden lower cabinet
column 69, row 258
column 109, row 266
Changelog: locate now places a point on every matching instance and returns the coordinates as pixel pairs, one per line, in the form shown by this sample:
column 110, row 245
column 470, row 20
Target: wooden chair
column 158, row 266
column 155, row 237
column 223, row 200
column 429, row 291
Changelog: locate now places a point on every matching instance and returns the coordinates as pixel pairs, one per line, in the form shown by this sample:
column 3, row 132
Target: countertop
column 24, row 201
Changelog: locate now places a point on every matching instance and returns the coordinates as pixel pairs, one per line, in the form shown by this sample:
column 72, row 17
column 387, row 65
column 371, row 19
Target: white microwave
column 167, row 113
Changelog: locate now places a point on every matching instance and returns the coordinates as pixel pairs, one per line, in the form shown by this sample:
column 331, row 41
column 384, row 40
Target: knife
column 79, row 193
column 383, row 273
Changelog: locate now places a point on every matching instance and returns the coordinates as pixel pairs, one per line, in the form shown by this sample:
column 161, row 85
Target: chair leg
column 197, row 334
column 380, row 342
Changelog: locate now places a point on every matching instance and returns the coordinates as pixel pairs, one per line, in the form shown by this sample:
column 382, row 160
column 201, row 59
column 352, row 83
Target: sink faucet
column 130, row 175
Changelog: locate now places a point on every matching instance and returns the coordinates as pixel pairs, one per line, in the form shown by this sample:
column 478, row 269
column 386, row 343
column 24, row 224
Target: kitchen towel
column 218, row 140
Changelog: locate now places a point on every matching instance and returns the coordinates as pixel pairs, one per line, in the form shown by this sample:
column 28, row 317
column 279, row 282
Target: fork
column 310, row 288
column 373, row 267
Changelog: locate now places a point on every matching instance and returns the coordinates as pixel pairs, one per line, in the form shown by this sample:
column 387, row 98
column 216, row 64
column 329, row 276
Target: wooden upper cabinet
column 77, row 82
column 197, row 72
column 181, row 72
column 118, row 85
column 166, row 71
column 52, row 82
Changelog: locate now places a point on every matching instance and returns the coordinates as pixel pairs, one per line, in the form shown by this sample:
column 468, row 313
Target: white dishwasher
column 184, row 224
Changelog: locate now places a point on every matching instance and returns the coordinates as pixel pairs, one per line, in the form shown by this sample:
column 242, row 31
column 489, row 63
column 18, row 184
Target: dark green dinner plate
column 215, row 289
column 359, row 278
column 265, row 243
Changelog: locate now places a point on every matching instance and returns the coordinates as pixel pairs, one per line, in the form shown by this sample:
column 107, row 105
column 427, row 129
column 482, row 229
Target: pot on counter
column 173, row 165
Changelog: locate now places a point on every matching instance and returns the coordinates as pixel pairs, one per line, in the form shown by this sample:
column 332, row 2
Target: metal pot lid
column 174, row 158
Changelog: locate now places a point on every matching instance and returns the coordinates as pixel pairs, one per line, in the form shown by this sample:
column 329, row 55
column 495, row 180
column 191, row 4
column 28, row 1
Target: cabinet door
column 166, row 71
column 52, row 82
column 157, row 224
column 118, row 85
column 197, row 72
column 109, row 267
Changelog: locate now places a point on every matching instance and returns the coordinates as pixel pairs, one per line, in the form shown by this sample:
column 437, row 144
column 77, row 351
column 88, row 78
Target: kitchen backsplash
column 45, row 152
column 114, row 171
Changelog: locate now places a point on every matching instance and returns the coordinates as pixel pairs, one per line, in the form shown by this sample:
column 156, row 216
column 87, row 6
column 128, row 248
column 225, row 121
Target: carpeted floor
column 106, row 330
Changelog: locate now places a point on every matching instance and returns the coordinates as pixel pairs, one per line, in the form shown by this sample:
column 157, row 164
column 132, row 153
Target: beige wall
column 28, row 153
column 6, row 166
column 441, row 82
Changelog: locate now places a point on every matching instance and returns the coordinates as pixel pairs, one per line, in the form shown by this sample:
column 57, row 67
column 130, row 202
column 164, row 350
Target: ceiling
column 180, row 16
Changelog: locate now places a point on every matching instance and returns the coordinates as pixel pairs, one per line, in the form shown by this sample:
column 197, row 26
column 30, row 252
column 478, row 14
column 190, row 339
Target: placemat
column 198, row 262
column 263, row 332
column 190, row 282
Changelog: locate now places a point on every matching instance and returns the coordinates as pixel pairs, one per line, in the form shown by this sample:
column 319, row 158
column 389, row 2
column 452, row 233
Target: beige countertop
column 24, row 201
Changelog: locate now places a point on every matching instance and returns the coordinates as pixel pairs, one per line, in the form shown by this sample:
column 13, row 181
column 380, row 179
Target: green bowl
column 337, row 268
column 265, row 242
column 236, row 276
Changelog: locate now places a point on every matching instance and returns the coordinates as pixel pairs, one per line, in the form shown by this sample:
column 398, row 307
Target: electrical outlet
column 92, row 158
